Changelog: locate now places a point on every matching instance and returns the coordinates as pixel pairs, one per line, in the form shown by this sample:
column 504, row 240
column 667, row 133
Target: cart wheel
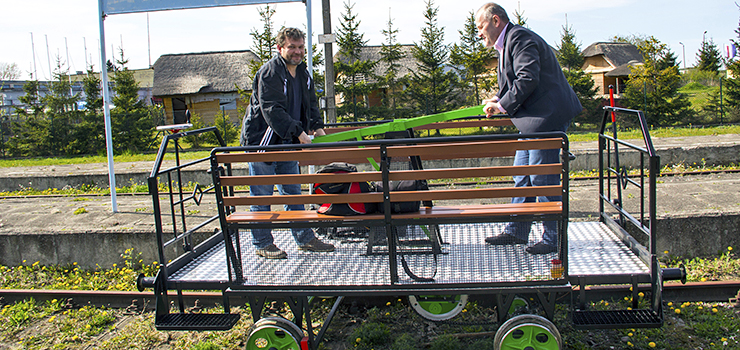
column 438, row 307
column 528, row 332
column 518, row 304
column 274, row 333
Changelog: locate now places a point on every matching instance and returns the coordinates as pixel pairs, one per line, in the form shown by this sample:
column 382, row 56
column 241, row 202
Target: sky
column 69, row 30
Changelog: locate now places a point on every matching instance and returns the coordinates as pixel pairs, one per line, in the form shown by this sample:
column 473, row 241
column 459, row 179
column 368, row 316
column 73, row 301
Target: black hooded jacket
column 267, row 121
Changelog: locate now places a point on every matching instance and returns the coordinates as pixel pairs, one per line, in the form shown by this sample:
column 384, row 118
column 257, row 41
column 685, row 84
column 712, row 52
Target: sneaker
column 542, row 248
column 271, row 252
column 315, row 245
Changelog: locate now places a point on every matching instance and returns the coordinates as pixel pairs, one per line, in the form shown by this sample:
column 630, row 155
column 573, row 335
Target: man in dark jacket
column 283, row 109
column 538, row 98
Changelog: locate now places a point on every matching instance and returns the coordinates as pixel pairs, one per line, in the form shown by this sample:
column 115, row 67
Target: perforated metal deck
column 466, row 258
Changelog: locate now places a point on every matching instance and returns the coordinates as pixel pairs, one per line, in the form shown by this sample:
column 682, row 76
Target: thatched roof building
column 203, row 82
column 609, row 63
column 202, row 72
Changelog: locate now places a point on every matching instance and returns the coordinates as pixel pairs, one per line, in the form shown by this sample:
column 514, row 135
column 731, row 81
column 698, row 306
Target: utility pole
column 328, row 39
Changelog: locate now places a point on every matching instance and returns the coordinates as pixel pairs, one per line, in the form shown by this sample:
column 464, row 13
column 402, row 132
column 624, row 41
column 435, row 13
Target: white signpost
column 114, row 7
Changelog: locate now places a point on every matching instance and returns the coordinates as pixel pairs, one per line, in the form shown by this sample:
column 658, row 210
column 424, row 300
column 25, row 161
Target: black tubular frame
column 612, row 174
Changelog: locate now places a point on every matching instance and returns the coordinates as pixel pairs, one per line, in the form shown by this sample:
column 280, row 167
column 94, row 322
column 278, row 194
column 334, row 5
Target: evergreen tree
column 89, row 132
column 655, row 90
column 131, row 123
column 732, row 82
column 60, row 109
column 519, row 16
column 571, row 59
column 264, row 43
column 391, row 54
column 472, row 60
column 710, row 60
column 569, row 51
column 30, row 99
column 431, row 88
column 353, row 73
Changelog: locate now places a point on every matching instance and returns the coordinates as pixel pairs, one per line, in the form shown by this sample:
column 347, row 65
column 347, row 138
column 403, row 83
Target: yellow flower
column 670, row 303
column 714, row 309
column 358, row 340
column 630, row 344
column 629, row 334
column 387, row 313
column 627, row 298
column 703, row 279
column 724, row 339
column 700, row 308
column 729, row 248
column 665, row 252
column 388, row 304
column 641, row 294
column 51, row 319
column 651, row 344
column 678, row 311
column 629, row 308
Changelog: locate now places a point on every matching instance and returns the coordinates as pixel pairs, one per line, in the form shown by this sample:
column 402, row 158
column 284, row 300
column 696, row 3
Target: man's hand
column 319, row 132
column 303, row 138
column 492, row 107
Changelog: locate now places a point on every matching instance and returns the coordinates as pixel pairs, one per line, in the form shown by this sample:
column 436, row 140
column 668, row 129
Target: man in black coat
column 534, row 92
column 283, row 109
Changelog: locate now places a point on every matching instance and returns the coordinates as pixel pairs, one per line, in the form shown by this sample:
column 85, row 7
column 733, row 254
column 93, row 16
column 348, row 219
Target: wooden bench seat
column 438, row 212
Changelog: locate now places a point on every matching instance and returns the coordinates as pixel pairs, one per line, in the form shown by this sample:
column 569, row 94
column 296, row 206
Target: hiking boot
column 315, row 245
column 271, row 252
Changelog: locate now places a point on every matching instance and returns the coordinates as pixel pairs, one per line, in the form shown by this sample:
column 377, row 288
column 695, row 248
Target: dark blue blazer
column 532, row 87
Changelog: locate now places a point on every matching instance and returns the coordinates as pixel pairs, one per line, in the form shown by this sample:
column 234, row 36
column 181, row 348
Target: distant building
column 609, row 64
column 204, row 83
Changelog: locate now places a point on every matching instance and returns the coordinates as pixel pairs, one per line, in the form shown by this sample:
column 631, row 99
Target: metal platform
column 466, row 258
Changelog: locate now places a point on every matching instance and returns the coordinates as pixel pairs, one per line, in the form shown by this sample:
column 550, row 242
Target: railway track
column 715, row 291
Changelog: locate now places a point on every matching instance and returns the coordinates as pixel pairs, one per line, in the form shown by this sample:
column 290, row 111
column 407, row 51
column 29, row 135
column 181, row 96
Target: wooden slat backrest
column 431, row 151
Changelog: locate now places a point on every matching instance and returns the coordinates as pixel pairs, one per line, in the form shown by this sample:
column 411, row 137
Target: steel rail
column 712, row 291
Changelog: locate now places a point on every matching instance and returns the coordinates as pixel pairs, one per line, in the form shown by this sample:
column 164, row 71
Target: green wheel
column 517, row 305
column 530, row 332
column 438, row 307
column 274, row 333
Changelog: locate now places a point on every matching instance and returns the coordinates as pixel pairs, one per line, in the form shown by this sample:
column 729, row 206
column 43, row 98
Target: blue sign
column 112, row 7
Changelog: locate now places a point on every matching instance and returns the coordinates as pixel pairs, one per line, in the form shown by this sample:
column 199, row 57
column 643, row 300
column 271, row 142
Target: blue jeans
column 521, row 229
column 262, row 238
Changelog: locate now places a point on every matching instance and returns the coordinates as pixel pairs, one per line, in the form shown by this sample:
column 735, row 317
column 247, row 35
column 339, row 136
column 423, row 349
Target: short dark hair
column 292, row 33
column 490, row 9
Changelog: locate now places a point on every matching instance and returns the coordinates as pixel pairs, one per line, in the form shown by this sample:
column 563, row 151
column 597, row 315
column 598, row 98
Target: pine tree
column 655, row 90
column 264, row 43
column 352, row 71
column 391, row 54
column 710, row 59
column 569, row 51
column 131, row 123
column 89, row 135
column 60, row 109
column 732, row 83
column 472, row 60
column 571, row 60
column 431, row 88
column 30, row 99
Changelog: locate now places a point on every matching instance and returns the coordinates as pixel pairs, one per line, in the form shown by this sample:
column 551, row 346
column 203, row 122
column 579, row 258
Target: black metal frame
column 613, row 175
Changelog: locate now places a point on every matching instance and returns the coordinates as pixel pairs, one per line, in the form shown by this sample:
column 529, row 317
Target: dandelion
column 700, row 308
column 630, row 344
column 358, row 340
column 51, row 319
column 388, row 304
column 465, row 310
column 651, row 344
column 703, row 279
column 670, row 303
column 641, row 294
column 724, row 339
column 729, row 248
column 678, row 311
column 387, row 313
column 665, row 252
column 714, row 309
column 626, row 298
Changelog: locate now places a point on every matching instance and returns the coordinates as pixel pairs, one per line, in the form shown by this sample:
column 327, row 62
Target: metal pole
column 309, row 35
column 331, row 109
column 721, row 107
column 106, row 111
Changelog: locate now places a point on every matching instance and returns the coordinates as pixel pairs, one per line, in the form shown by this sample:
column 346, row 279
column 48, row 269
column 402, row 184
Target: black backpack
column 336, row 188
